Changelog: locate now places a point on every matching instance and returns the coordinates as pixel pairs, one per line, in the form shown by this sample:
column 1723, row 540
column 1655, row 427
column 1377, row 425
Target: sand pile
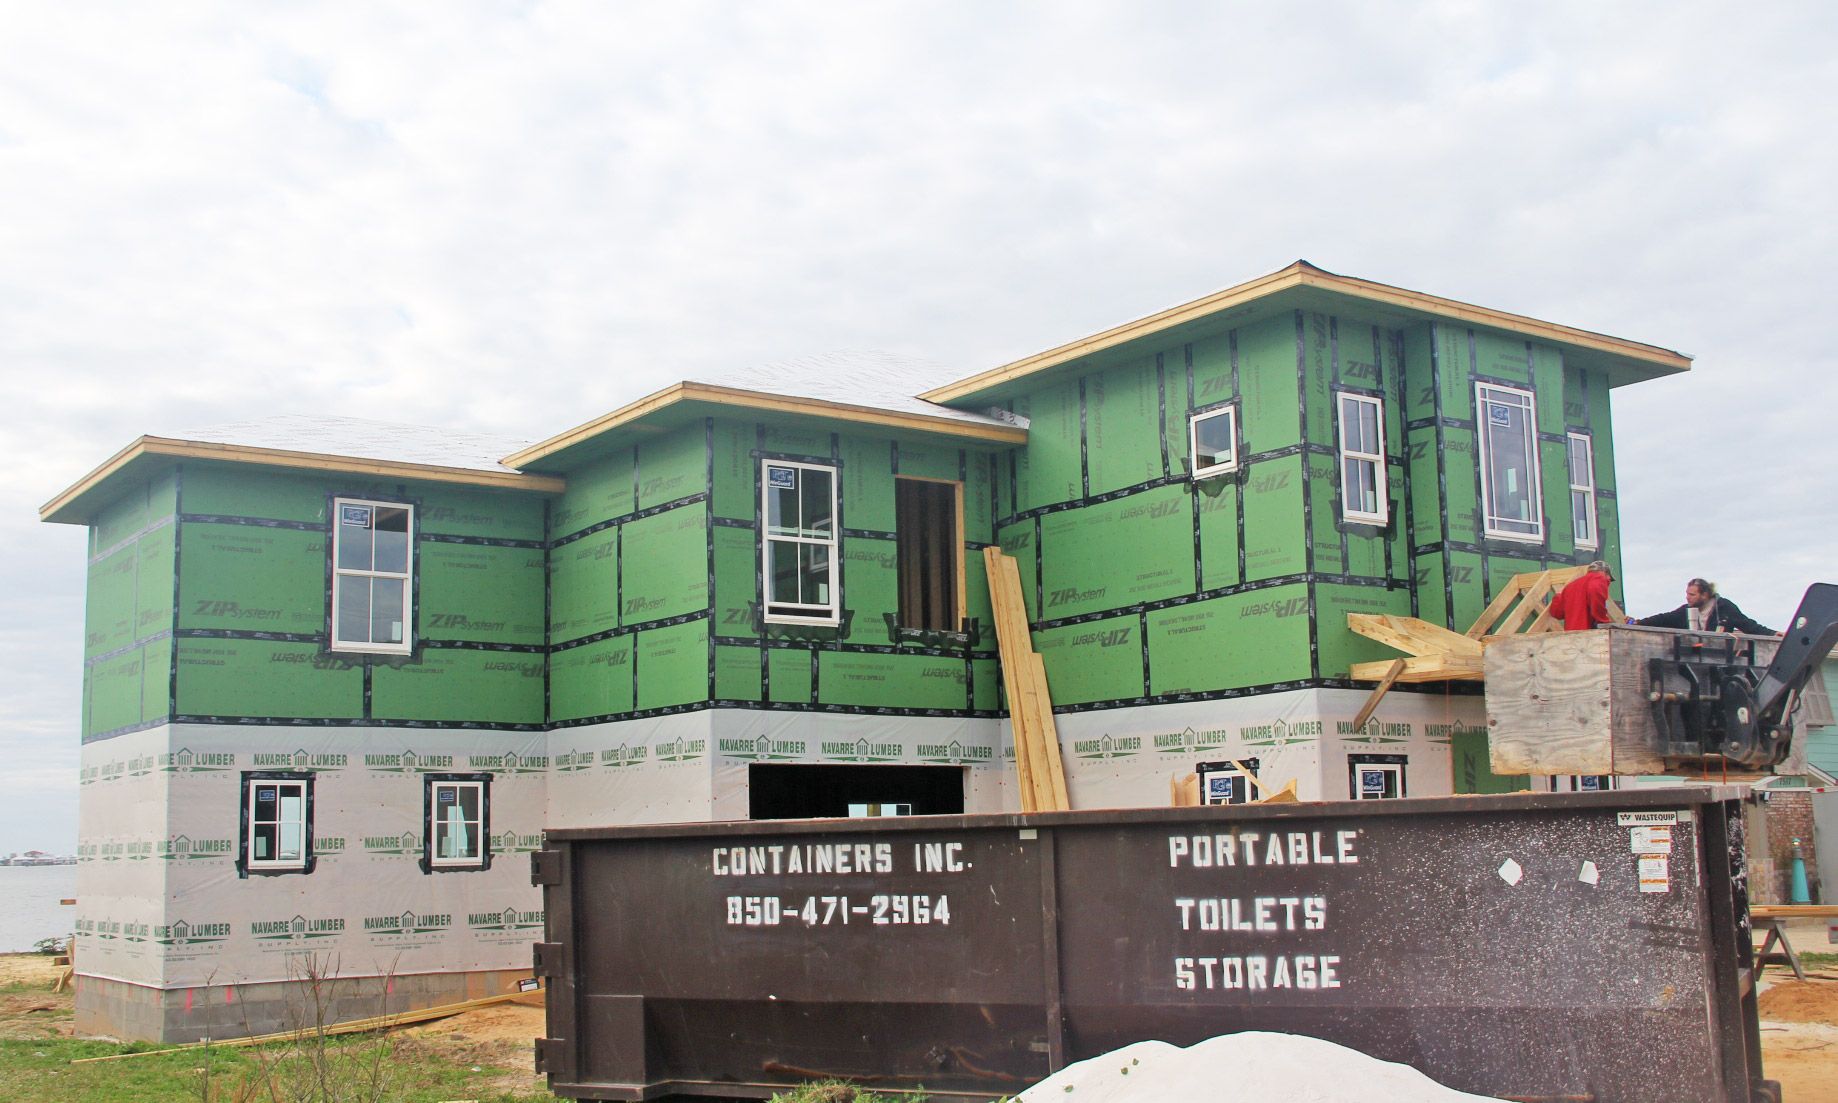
column 1254, row 1067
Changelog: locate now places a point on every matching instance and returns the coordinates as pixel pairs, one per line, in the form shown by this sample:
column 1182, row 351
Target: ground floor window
column 277, row 823
column 792, row 791
column 457, row 810
column 1228, row 782
column 1376, row 776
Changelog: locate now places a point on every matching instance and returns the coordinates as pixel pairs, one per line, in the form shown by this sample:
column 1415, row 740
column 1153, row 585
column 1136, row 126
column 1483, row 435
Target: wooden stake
column 1378, row 693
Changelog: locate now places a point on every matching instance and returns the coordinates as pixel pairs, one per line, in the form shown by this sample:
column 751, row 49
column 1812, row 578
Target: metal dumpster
column 1588, row 946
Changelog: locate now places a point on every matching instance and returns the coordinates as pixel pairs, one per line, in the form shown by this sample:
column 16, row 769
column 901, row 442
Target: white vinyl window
column 1377, row 780
column 1511, row 498
column 1213, row 442
column 798, row 561
column 1582, row 491
column 372, row 588
column 1212, row 436
column 456, row 824
column 276, row 822
column 1362, row 459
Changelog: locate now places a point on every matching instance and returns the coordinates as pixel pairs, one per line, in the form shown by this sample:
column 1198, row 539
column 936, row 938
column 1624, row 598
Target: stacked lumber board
column 1041, row 775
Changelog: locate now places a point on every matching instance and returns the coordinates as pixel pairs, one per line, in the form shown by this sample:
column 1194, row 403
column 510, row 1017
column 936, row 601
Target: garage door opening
column 793, row 792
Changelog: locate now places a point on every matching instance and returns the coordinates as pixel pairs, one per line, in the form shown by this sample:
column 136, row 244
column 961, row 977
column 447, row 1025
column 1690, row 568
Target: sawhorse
column 1773, row 919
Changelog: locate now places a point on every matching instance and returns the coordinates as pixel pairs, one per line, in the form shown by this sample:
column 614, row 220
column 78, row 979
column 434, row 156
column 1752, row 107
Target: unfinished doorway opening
column 795, row 792
column 927, row 520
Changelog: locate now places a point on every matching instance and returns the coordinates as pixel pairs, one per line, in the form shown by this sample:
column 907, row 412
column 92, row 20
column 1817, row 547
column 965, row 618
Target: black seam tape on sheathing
column 1218, row 592
column 315, row 638
column 1442, row 471
column 635, row 515
column 708, row 517
column 548, row 605
column 797, row 644
column 132, row 537
column 114, row 733
column 136, row 645
column 1084, row 446
column 732, row 523
column 252, row 522
column 794, row 457
column 480, row 645
column 178, row 532
column 629, row 629
column 1461, row 689
column 771, row 706
column 482, row 541
column 1308, row 498
column 352, row 722
column 1161, row 411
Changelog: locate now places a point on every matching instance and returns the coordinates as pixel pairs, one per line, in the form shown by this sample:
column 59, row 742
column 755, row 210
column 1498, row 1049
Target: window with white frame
column 1582, row 491
column 798, row 561
column 373, row 594
column 458, row 821
column 1375, row 776
column 277, row 823
column 1511, row 498
column 1362, row 459
column 1212, row 437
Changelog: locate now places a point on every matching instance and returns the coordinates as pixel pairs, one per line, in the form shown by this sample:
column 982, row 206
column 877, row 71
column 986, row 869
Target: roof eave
column 738, row 398
column 1649, row 361
column 71, row 507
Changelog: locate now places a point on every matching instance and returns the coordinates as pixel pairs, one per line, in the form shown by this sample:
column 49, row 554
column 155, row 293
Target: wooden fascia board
column 757, row 400
column 163, row 447
column 1305, row 275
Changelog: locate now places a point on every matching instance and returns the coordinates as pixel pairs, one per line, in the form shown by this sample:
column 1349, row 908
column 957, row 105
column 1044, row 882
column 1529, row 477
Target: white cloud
column 521, row 215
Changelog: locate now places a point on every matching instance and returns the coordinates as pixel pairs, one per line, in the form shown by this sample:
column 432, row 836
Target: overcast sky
column 514, row 217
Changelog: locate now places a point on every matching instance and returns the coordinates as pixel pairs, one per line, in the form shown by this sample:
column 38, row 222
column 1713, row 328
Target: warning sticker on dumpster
column 1650, row 840
column 1645, row 819
column 1655, row 874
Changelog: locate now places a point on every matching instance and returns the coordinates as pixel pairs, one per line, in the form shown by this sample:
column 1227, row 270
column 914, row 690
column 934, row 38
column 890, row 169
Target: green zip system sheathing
column 1145, row 586
column 208, row 595
column 128, row 621
column 655, row 580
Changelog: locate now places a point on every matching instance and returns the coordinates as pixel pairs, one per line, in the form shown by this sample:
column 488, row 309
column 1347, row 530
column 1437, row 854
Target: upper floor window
column 1213, row 440
column 373, row 595
column 277, row 825
column 798, row 560
column 1362, row 459
column 1511, row 500
column 1582, row 491
column 927, row 516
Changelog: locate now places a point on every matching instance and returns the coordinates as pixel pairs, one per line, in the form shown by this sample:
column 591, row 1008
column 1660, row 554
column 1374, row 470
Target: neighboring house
column 340, row 675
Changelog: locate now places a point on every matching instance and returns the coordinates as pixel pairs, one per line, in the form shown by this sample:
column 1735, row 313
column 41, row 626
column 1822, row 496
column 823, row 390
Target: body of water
column 29, row 908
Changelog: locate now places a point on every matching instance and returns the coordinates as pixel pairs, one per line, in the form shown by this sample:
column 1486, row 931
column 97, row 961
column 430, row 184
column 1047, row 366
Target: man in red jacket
column 1583, row 604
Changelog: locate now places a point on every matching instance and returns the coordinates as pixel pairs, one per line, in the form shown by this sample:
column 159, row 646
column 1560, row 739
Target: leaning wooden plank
column 1055, row 769
column 355, row 1026
column 1033, row 742
column 1422, row 668
column 1012, row 641
column 1378, row 694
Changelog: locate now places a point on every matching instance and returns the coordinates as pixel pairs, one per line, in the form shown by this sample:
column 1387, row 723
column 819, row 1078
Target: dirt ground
column 1799, row 1025
column 503, row 1035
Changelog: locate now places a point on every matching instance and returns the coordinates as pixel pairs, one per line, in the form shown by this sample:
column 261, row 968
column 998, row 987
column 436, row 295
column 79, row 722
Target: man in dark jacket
column 1704, row 611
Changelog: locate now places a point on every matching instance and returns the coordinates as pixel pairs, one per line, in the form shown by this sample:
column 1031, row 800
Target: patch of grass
column 1818, row 960
column 841, row 1091
column 39, row 1071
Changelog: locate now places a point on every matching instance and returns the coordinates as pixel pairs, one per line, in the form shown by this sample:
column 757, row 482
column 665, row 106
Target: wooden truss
column 1436, row 654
